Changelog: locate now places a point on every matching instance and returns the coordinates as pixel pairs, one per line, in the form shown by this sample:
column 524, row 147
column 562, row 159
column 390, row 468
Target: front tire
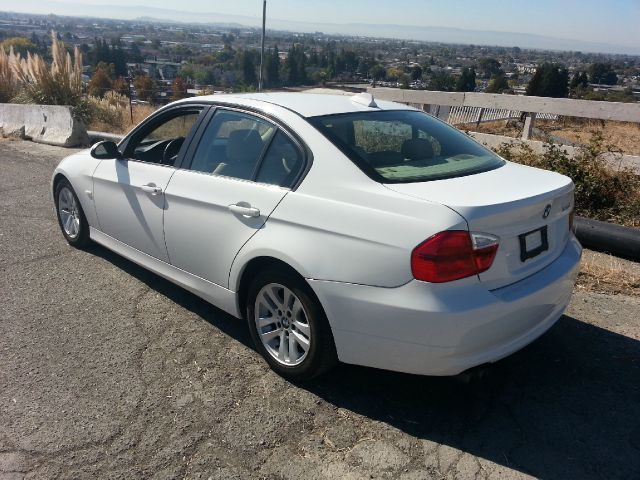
column 71, row 218
column 288, row 326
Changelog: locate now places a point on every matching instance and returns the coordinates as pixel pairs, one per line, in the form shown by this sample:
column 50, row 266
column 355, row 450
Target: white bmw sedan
column 341, row 228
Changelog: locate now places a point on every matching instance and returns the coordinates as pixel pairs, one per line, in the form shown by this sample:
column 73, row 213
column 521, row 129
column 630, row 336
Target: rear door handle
column 246, row 211
column 152, row 189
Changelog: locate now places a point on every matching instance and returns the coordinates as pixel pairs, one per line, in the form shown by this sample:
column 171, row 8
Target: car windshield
column 405, row 146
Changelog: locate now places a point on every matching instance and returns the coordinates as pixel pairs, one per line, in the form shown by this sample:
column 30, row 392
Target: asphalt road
column 108, row 371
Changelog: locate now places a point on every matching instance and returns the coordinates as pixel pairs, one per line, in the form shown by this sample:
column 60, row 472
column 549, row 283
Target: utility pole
column 264, row 24
column 129, row 80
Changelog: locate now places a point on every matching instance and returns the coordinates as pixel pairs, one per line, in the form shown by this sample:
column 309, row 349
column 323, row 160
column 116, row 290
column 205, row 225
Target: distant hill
column 423, row 33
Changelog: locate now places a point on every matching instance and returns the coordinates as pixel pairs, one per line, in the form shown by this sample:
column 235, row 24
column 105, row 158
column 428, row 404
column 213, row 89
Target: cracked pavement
column 108, row 371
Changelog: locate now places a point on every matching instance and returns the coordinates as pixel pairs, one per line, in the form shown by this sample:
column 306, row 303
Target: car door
column 240, row 167
column 129, row 192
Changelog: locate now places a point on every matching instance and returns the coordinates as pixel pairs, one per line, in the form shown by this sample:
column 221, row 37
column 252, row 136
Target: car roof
column 306, row 104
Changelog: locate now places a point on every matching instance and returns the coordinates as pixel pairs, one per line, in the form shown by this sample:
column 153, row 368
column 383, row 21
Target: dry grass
column 625, row 136
column 602, row 273
column 124, row 124
column 511, row 128
column 8, row 84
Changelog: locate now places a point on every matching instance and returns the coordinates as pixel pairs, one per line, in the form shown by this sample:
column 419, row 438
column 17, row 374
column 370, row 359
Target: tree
column 603, row 73
column 118, row 58
column 442, row 81
column 107, row 68
column 467, row 80
column 394, row 74
column 404, row 80
column 272, row 67
column 490, row 67
column 579, row 80
column 179, row 89
column 121, row 86
column 99, row 84
column 550, row 80
column 20, row 46
column 113, row 55
column 498, row 84
column 248, row 65
column 295, row 65
column 144, row 87
column 416, row 73
column 378, row 72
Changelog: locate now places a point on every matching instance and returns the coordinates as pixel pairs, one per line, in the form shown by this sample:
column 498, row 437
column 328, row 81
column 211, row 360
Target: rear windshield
column 405, row 146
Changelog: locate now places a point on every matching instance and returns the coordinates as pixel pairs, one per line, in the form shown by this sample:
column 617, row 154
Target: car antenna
column 365, row 99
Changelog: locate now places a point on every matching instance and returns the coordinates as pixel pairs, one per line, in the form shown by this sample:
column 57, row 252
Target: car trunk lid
column 527, row 208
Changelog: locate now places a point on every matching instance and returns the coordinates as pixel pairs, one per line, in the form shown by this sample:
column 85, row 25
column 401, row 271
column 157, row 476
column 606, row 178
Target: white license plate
column 533, row 243
column 533, row 240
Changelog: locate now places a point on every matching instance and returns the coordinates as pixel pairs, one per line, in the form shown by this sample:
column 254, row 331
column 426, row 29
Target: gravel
column 108, row 371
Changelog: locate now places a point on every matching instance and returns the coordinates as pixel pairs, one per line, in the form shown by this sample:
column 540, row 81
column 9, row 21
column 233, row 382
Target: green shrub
column 602, row 192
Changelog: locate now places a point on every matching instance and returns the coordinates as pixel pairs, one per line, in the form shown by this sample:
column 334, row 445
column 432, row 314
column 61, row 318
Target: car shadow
column 567, row 406
column 224, row 322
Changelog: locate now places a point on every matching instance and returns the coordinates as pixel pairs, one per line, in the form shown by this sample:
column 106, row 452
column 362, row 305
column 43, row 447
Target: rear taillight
column 452, row 255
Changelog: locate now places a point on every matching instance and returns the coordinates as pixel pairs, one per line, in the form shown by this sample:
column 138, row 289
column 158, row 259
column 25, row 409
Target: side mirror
column 106, row 150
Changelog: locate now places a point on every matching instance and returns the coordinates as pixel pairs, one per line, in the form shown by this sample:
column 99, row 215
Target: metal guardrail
column 622, row 112
column 478, row 115
column 442, row 103
column 460, row 108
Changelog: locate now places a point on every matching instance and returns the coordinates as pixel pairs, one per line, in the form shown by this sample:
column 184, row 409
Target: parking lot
column 108, row 371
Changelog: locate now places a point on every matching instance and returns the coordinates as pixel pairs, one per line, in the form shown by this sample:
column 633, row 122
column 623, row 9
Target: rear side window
column 405, row 146
column 282, row 163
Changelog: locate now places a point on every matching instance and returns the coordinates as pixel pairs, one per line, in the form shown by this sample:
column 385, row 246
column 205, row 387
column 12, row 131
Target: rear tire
column 288, row 325
column 71, row 218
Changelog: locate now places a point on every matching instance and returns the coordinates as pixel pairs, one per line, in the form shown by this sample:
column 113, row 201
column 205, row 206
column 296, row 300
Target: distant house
column 162, row 70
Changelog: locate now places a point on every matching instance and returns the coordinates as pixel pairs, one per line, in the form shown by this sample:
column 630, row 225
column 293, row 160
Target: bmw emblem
column 547, row 211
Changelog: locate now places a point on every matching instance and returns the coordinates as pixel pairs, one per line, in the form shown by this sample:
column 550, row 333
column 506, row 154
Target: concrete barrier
column 95, row 136
column 50, row 124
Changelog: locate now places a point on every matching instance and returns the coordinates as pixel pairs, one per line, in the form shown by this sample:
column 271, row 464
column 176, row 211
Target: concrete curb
column 49, row 124
column 609, row 237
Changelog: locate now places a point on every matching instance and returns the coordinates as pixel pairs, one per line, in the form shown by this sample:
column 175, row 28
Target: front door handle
column 244, row 210
column 152, row 189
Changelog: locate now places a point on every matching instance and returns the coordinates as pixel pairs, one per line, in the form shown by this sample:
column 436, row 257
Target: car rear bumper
column 444, row 329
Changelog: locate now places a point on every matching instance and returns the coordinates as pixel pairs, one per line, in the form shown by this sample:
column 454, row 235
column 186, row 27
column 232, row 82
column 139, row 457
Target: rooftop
column 307, row 104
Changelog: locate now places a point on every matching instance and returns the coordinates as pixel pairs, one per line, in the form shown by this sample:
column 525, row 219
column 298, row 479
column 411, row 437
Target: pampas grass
column 59, row 83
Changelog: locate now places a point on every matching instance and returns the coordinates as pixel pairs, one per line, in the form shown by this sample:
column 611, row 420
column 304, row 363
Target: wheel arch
column 57, row 177
column 257, row 264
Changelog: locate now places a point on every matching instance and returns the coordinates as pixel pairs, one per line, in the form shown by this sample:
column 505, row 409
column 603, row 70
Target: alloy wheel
column 282, row 324
column 68, row 212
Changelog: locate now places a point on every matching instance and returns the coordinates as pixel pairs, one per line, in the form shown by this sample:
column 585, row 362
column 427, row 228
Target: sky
column 604, row 21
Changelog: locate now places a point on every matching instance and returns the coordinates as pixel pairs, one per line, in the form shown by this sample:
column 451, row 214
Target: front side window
column 405, row 146
column 239, row 145
column 232, row 145
column 161, row 142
